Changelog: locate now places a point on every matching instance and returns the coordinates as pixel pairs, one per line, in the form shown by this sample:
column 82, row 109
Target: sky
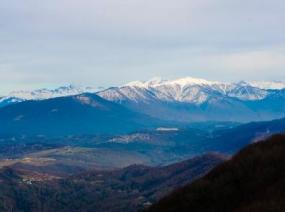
column 111, row 42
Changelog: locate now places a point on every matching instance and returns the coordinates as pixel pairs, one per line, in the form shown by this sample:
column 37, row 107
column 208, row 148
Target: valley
column 125, row 172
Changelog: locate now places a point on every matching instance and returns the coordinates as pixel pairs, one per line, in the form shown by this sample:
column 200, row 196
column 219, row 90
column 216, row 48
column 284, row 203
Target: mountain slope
column 4, row 101
column 232, row 140
column 187, row 90
column 81, row 114
column 190, row 99
column 253, row 180
column 40, row 94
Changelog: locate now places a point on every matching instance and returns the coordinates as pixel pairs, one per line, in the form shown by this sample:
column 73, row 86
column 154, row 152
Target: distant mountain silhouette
column 185, row 100
column 81, row 114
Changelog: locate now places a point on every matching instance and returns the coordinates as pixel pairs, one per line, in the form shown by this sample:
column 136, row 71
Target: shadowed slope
column 253, row 180
column 81, row 114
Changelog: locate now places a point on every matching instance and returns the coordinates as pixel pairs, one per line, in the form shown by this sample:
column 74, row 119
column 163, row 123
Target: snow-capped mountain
column 245, row 91
column 8, row 101
column 191, row 99
column 41, row 94
column 187, row 90
column 274, row 85
column 182, row 100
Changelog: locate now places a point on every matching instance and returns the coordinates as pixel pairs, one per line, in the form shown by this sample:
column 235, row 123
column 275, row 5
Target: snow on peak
column 155, row 81
column 182, row 82
column 158, row 81
column 197, row 90
column 145, row 84
column 44, row 93
column 274, row 85
column 242, row 83
column 187, row 89
column 192, row 81
column 171, row 90
column 135, row 84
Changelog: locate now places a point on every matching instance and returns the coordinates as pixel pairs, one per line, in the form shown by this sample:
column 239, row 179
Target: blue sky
column 111, row 42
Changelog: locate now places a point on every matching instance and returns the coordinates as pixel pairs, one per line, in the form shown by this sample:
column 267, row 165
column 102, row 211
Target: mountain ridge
column 184, row 100
column 190, row 99
column 44, row 93
column 80, row 114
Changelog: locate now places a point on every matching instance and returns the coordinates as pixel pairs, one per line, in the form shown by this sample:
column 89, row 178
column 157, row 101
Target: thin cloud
column 110, row 42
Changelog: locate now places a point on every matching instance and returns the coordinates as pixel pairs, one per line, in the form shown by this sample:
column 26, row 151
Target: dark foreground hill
column 253, row 180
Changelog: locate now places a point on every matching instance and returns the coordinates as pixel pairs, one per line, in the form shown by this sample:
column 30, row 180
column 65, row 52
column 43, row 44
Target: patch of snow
column 274, row 85
column 166, row 129
column 191, row 81
column 41, row 94
column 18, row 118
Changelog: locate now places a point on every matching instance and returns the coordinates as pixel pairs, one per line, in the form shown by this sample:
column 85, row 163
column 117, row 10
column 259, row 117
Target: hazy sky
column 110, row 42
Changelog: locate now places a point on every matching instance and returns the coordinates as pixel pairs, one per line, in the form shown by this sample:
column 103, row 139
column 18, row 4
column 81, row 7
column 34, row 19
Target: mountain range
column 169, row 90
column 189, row 100
column 183, row 101
column 41, row 94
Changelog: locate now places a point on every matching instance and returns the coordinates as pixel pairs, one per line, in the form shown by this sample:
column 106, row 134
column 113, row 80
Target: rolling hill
column 129, row 189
